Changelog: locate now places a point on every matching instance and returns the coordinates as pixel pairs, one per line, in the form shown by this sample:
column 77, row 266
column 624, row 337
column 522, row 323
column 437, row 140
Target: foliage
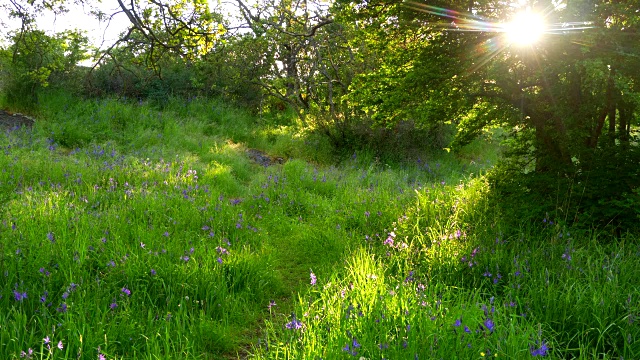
column 35, row 59
column 185, row 29
column 452, row 279
column 382, row 75
column 587, row 198
column 114, row 211
column 234, row 69
column 160, row 219
column 556, row 95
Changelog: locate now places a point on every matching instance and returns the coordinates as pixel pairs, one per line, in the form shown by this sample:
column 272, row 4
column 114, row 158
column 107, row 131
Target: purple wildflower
column 313, row 278
column 153, row 272
column 409, row 277
column 541, row 351
column 126, row 291
column 113, row 305
column 101, row 357
column 60, row 346
column 294, row 324
column 51, row 237
column 19, row 295
column 272, row 303
column 457, row 323
column 219, row 260
column 62, row 308
column 65, row 295
column 185, row 258
column 222, row 250
column 28, row 354
column 467, row 330
column 488, row 323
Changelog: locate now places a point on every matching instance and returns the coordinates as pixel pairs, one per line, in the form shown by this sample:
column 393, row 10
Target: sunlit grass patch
column 161, row 238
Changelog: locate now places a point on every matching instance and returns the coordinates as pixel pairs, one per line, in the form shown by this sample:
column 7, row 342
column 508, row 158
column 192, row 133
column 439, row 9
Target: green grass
column 151, row 234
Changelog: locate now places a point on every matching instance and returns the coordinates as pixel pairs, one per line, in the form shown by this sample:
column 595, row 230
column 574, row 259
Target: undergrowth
column 130, row 232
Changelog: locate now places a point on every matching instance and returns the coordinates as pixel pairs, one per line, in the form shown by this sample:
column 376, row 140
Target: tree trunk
column 609, row 111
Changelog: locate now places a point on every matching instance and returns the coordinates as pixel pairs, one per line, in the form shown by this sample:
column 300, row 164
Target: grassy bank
column 129, row 232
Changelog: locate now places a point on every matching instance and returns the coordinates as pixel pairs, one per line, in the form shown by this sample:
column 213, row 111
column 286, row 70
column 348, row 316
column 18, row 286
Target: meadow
column 129, row 232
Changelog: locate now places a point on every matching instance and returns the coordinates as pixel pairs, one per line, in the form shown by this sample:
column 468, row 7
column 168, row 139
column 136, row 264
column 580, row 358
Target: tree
column 36, row 58
column 556, row 96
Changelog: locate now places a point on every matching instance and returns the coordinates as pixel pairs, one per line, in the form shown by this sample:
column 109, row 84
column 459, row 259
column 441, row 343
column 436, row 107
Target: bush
column 39, row 60
column 587, row 197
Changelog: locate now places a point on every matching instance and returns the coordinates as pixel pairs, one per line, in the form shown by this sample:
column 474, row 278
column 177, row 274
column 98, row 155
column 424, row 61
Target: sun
column 526, row 28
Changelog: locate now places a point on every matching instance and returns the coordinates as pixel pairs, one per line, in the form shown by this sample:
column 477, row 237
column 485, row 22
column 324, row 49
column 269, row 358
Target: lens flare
column 526, row 28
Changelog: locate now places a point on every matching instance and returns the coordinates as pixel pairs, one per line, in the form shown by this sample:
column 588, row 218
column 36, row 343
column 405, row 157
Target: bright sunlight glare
column 525, row 29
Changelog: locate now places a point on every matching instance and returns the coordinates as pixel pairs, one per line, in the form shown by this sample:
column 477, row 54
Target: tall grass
column 446, row 281
column 129, row 232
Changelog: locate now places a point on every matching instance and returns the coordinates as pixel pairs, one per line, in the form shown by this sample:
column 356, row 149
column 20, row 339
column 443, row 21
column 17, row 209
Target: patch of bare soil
column 10, row 121
column 263, row 158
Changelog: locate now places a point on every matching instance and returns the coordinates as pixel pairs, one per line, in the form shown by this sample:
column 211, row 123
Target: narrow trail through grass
column 147, row 231
column 130, row 232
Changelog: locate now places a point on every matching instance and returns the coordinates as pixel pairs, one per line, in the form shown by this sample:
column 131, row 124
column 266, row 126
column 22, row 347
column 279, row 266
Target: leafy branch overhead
column 186, row 28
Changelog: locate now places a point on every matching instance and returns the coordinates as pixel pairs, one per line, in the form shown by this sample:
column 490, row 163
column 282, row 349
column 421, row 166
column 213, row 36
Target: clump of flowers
column 351, row 348
column 539, row 350
column 294, row 324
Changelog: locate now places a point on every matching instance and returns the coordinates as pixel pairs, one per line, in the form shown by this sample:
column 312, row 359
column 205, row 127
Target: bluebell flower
column 541, row 351
column 294, row 324
column 19, row 296
column 488, row 323
column 62, row 308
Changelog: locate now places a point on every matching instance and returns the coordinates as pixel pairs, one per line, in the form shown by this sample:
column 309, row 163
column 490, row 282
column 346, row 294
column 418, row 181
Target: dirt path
column 12, row 121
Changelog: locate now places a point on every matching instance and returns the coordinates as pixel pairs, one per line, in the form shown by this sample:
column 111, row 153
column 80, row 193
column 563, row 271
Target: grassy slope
column 103, row 199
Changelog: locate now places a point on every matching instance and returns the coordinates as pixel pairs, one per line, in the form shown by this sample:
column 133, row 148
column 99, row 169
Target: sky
column 77, row 18
column 98, row 32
